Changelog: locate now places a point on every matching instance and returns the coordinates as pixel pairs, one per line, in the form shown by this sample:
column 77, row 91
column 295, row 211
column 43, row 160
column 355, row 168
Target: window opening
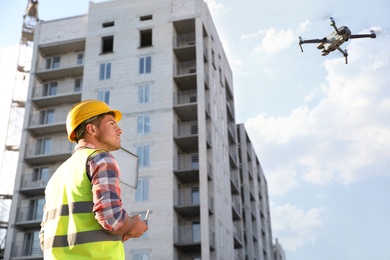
column 108, row 24
column 146, row 17
column 146, row 38
column 107, row 44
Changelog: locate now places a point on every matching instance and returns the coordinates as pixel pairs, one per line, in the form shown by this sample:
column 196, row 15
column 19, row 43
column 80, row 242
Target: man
column 83, row 216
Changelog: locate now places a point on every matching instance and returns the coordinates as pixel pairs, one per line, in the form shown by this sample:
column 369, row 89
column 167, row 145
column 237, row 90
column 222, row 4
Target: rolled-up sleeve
column 104, row 172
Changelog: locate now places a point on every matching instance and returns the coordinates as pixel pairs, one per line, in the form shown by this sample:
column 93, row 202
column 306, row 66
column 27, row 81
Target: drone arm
column 345, row 53
column 356, row 36
column 310, row 41
column 333, row 24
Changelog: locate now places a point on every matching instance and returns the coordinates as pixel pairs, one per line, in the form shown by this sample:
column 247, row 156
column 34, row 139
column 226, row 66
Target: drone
column 335, row 39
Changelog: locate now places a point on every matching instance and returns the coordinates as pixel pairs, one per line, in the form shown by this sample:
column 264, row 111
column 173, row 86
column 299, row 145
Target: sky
column 320, row 128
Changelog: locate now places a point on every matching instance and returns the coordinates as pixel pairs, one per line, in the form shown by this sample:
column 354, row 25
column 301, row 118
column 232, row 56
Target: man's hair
column 95, row 120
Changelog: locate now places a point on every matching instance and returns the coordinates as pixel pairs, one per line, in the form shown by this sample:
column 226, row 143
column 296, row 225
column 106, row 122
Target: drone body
column 335, row 39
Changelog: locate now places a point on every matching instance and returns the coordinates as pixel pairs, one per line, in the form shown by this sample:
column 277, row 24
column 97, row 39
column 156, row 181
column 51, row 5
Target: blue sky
column 320, row 128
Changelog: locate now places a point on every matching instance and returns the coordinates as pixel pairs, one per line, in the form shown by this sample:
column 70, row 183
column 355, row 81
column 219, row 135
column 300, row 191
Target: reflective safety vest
column 70, row 228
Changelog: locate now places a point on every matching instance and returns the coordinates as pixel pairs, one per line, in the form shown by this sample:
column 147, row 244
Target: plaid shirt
column 104, row 174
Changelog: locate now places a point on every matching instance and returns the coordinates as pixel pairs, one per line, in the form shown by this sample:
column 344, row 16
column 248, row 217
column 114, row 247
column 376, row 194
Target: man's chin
column 115, row 149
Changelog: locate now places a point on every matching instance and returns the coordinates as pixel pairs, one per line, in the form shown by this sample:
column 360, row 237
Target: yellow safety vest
column 70, row 228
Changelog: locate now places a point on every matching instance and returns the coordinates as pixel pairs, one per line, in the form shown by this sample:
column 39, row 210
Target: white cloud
column 252, row 35
column 345, row 136
column 296, row 227
column 303, row 27
column 274, row 41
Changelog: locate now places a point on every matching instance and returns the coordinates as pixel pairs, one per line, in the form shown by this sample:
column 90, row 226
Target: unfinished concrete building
column 162, row 64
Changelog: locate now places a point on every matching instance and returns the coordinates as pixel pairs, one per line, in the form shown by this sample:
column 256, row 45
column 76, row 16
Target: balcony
column 28, row 217
column 65, row 93
column 239, row 254
column 27, row 249
column 59, row 73
column 184, row 74
column 55, row 150
column 77, row 45
column 232, row 132
column 209, row 171
column 237, row 235
column 233, row 155
column 236, row 208
column 186, row 167
column 42, row 126
column 184, row 47
column 187, row 202
column 60, row 66
column 234, row 182
column 187, row 238
column 31, row 186
column 230, row 109
column 186, row 135
column 185, row 105
column 249, row 151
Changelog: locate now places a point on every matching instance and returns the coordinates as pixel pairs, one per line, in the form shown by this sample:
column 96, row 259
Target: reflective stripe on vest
column 69, row 240
column 78, row 207
column 70, row 227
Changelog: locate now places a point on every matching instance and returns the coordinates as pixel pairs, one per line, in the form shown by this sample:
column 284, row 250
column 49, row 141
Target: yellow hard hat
column 86, row 110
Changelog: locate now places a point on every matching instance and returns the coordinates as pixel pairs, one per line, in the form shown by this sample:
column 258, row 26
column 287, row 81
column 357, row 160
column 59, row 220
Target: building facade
column 162, row 64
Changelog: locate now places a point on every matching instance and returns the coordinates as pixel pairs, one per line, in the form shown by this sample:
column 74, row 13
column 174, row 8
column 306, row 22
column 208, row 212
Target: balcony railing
column 232, row 130
column 186, row 97
column 230, row 108
column 29, row 214
column 27, row 249
column 184, row 40
column 59, row 117
column 236, row 208
column 57, row 149
column 29, row 183
column 234, row 181
column 237, row 232
column 184, row 68
column 186, row 197
column 233, row 154
column 186, row 162
column 188, row 234
column 186, row 129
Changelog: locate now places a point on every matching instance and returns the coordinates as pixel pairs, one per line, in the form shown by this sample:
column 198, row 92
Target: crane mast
column 16, row 115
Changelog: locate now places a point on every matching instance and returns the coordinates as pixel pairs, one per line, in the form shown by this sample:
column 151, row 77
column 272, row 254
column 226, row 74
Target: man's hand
column 138, row 227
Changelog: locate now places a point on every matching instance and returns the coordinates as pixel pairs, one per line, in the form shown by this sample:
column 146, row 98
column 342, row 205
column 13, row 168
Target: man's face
column 108, row 134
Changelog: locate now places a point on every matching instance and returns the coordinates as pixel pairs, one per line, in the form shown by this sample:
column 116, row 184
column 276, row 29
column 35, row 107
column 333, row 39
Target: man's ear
column 90, row 128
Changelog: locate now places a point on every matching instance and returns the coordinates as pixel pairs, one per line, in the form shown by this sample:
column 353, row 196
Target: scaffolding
column 16, row 116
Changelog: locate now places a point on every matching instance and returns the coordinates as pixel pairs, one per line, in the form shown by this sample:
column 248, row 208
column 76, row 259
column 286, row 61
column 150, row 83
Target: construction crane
column 16, row 115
